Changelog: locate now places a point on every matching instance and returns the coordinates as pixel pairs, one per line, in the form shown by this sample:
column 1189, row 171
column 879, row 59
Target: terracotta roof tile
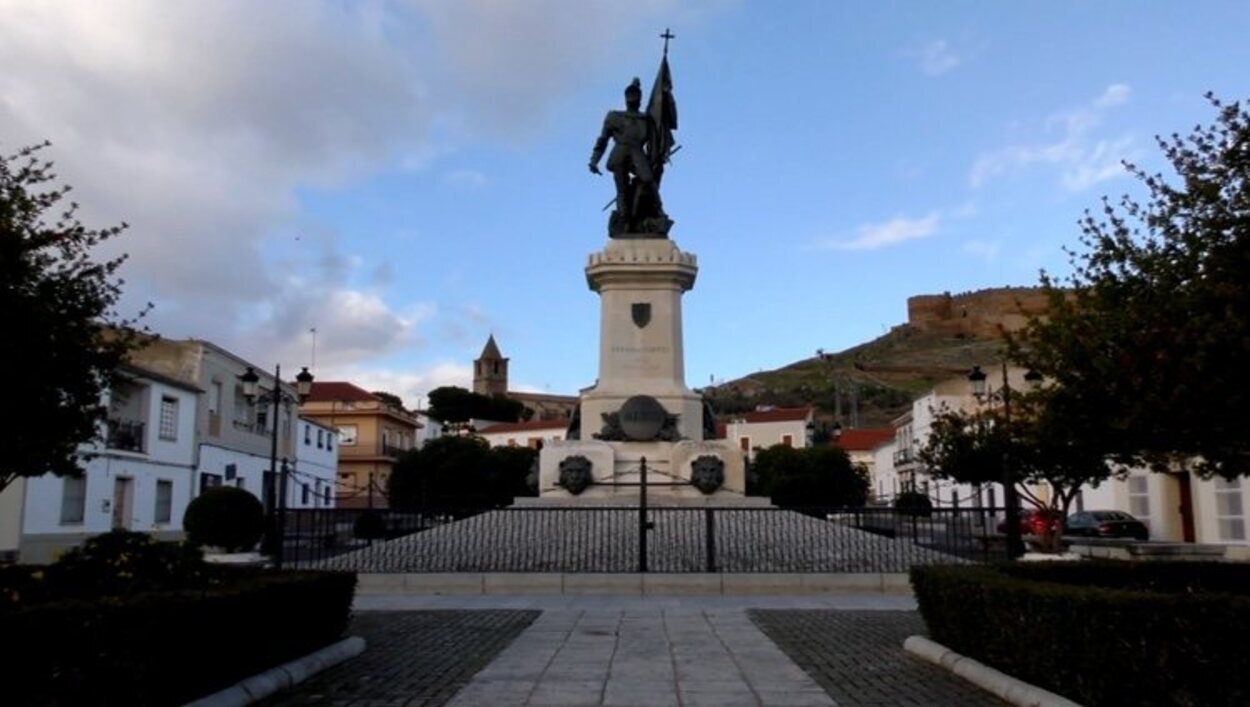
column 340, row 392
column 864, row 438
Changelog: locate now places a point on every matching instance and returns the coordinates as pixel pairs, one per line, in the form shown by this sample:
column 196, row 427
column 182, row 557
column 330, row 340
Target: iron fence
column 611, row 539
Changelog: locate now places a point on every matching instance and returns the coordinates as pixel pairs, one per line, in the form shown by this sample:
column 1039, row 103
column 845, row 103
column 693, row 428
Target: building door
column 1186, row 508
column 123, row 502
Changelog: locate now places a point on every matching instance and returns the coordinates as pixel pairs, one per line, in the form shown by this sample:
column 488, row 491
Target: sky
column 407, row 177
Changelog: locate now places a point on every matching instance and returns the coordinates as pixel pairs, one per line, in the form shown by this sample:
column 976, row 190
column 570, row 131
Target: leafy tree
column 390, row 399
column 460, row 473
column 510, row 468
column 809, row 477
column 1150, row 335
column 64, row 339
column 455, row 404
column 1050, row 441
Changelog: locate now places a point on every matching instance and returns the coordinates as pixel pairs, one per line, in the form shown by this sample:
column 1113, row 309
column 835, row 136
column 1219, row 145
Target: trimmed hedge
column 1100, row 633
column 163, row 648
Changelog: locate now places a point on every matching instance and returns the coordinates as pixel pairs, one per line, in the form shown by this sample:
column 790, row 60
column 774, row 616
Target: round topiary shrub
column 913, row 503
column 225, row 517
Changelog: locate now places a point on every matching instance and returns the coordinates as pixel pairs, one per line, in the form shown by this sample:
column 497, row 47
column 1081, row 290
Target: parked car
column 1106, row 524
column 1033, row 521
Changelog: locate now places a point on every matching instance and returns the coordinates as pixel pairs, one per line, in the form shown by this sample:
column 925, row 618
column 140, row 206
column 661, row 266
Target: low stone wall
column 1094, row 548
column 630, row 584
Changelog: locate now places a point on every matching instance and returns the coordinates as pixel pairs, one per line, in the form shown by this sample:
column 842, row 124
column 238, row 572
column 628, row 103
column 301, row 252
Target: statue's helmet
column 634, row 89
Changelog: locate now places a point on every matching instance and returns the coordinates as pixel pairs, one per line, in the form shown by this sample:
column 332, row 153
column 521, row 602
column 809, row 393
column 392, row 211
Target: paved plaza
column 569, row 651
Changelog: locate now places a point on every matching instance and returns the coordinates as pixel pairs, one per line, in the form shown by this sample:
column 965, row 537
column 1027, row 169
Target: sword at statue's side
column 667, row 158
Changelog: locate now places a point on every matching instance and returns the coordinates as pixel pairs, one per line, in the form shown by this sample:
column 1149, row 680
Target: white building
column 535, row 433
column 884, row 481
column 138, row 478
column 912, row 430
column 428, row 429
column 310, row 483
column 763, row 428
column 1179, row 507
column 860, row 444
column 233, row 436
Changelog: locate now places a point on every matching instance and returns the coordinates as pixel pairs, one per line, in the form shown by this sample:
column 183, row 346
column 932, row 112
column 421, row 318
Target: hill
column 945, row 335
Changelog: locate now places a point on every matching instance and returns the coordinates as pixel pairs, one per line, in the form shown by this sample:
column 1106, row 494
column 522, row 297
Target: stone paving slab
column 413, row 658
column 642, row 657
column 858, row 658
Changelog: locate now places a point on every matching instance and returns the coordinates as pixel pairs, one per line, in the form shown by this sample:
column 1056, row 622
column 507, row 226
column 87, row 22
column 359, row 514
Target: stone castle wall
column 980, row 314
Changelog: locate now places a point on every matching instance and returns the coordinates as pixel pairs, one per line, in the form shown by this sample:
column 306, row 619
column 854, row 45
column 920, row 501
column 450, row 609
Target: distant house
column 534, row 433
column 763, row 428
column 177, row 423
column 139, row 477
column 372, row 434
column 312, row 479
column 860, row 444
column 234, row 436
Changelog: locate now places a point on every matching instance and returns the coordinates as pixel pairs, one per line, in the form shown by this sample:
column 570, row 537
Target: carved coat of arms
column 641, row 312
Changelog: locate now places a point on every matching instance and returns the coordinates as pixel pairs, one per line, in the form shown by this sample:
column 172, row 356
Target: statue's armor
column 629, row 132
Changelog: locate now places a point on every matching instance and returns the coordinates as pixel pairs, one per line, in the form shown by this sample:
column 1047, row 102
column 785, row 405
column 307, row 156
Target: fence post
column 710, row 529
column 642, row 517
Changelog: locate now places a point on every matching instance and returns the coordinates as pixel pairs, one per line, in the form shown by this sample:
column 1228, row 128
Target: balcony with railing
column 390, row 450
column 125, row 435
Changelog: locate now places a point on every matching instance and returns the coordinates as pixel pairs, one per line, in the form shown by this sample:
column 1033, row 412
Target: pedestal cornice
column 645, row 263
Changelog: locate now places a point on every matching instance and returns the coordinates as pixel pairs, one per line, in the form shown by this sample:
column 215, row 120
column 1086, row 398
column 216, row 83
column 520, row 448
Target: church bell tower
column 490, row 370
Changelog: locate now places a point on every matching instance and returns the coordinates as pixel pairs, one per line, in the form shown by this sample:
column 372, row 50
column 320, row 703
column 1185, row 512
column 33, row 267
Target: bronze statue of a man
column 638, row 209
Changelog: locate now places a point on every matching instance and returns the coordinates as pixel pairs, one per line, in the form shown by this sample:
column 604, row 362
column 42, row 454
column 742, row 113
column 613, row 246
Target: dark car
column 1106, row 524
column 1033, row 522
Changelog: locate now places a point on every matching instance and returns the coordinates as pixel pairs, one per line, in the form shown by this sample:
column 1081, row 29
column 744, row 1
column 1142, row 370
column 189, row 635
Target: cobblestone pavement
column 412, row 658
column 858, row 658
column 606, row 540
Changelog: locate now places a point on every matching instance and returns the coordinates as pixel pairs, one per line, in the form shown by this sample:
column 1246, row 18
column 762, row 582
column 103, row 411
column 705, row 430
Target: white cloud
column 896, row 230
column 1115, row 94
column 412, row 386
column 936, row 58
column 1082, row 160
column 983, row 249
column 198, row 122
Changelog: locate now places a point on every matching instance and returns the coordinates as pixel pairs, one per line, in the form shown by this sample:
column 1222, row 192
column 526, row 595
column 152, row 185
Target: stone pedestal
column 640, row 284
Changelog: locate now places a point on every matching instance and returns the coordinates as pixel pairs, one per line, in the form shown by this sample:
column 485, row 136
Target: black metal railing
column 621, row 539
column 126, row 435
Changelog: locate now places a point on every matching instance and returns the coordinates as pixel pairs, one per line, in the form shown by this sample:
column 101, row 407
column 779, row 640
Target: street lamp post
column 1011, row 498
column 277, row 505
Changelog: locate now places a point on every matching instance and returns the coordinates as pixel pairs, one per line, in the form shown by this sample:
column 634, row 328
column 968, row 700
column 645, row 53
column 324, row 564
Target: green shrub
column 225, row 517
column 162, row 648
column 1082, row 629
column 122, row 562
column 913, row 503
column 369, row 525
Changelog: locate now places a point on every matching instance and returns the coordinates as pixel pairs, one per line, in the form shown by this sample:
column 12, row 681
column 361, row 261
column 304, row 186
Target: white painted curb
column 260, row 686
column 1013, row 690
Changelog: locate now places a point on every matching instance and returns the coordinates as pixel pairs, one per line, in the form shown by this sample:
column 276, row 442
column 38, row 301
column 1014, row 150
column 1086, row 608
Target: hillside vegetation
column 879, row 378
